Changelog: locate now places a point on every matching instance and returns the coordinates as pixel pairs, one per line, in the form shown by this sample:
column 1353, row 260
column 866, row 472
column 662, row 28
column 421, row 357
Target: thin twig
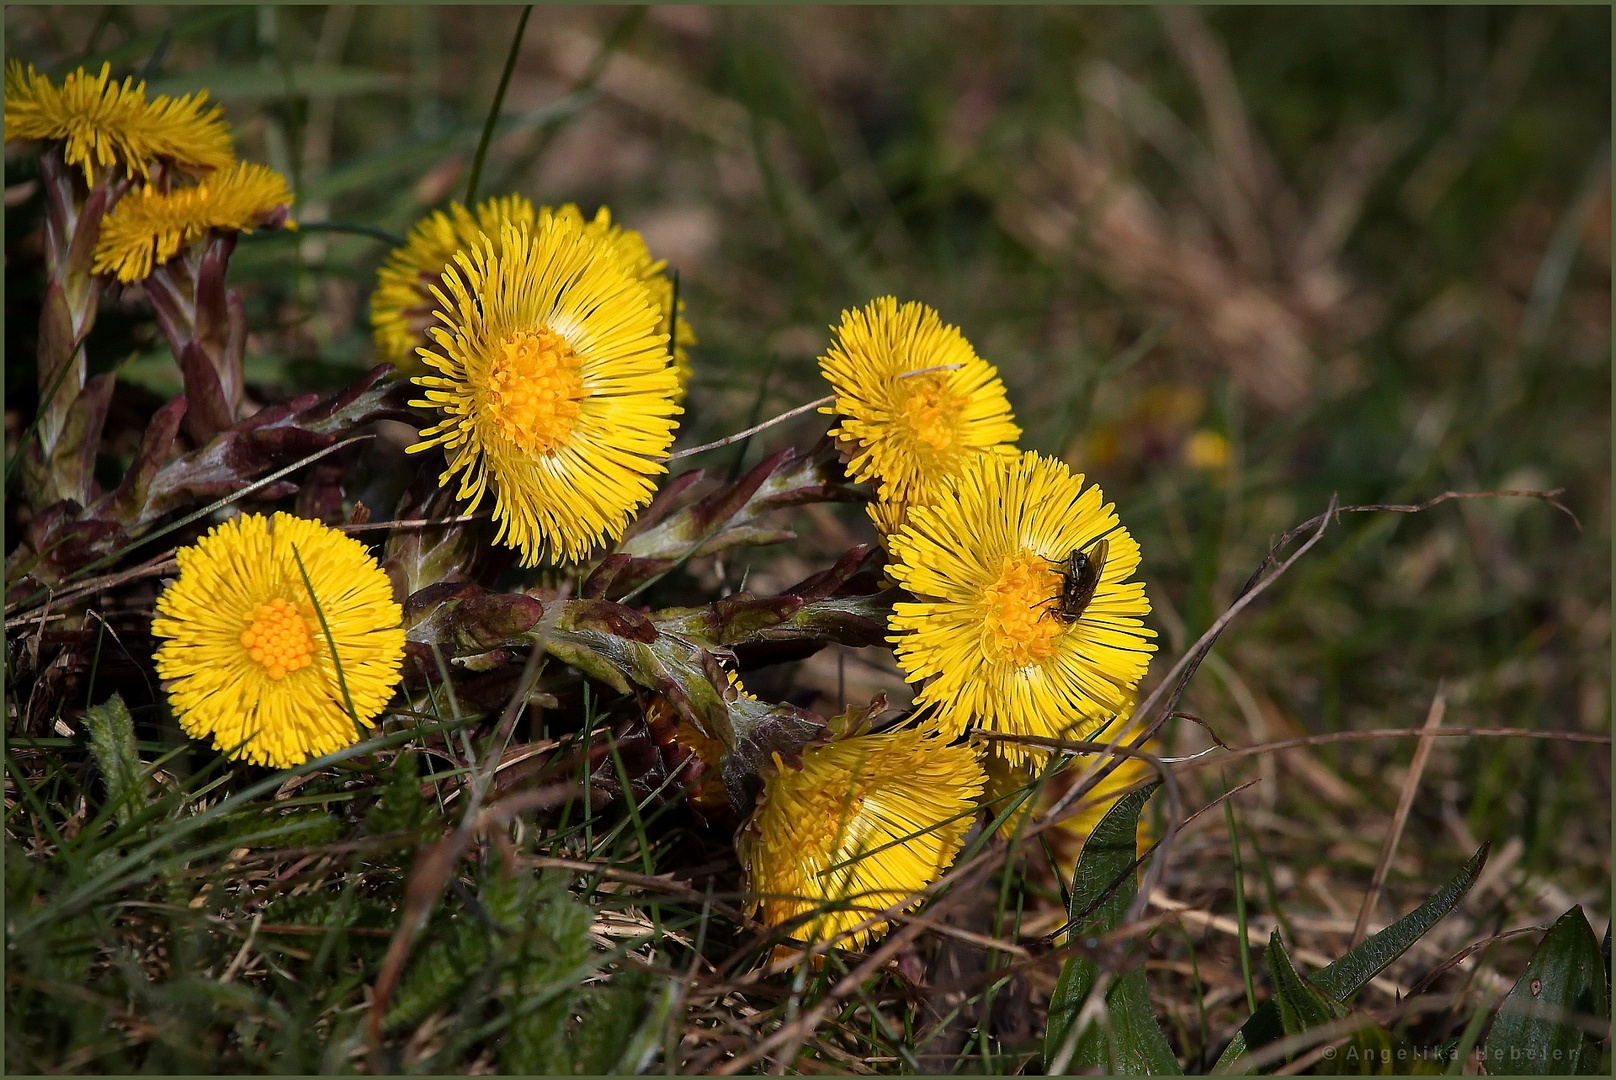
column 1466, row 953
column 241, row 957
column 929, row 370
column 415, row 523
column 1411, row 783
column 753, row 430
column 1254, row 588
column 1394, row 733
column 159, row 566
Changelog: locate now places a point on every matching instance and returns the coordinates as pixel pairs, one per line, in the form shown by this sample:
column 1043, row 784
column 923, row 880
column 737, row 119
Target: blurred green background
column 1229, row 261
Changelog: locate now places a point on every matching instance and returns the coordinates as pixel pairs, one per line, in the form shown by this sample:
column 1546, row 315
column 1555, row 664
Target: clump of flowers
column 547, row 356
column 281, row 637
column 983, row 561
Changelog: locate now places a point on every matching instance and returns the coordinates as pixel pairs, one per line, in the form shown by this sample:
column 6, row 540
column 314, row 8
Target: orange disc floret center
column 534, row 390
column 278, row 639
column 933, row 414
column 1015, row 629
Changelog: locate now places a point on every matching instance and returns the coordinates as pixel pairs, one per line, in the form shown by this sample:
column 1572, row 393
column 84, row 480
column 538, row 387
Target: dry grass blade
column 157, row 567
column 434, row 868
column 1405, row 801
column 798, row 1030
column 415, row 523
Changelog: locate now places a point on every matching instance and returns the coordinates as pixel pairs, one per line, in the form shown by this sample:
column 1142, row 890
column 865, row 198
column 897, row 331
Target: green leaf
column 1349, row 974
column 252, row 82
column 1103, row 887
column 112, row 743
column 1301, row 1004
column 1141, row 1049
column 1357, row 966
column 1536, row 1031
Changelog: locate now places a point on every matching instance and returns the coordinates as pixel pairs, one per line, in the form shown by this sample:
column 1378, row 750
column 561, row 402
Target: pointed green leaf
column 1301, row 1004
column 112, row 744
column 1141, row 1048
column 1103, row 887
column 1344, row 978
column 1537, row 1031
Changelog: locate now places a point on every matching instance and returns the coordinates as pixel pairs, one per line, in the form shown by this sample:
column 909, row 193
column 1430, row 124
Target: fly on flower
column 983, row 562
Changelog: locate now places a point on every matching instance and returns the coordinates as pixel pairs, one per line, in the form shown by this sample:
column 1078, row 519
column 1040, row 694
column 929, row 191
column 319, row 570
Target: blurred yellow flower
column 1066, row 836
column 403, row 308
column 147, row 228
column 554, row 385
column 908, row 434
column 103, row 124
column 245, row 652
column 980, row 638
column 1206, row 449
column 863, row 826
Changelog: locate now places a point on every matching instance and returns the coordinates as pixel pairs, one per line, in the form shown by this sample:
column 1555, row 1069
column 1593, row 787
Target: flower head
column 402, row 307
column 103, row 123
column 554, row 385
column 909, row 433
column 147, row 228
column 863, row 826
column 983, row 561
column 247, row 655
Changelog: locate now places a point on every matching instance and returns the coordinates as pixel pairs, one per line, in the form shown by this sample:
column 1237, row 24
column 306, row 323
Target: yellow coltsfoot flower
column 403, row 308
column 908, row 434
column 984, row 635
column 149, row 227
column 103, row 124
column 246, row 657
column 555, row 387
column 863, row 826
